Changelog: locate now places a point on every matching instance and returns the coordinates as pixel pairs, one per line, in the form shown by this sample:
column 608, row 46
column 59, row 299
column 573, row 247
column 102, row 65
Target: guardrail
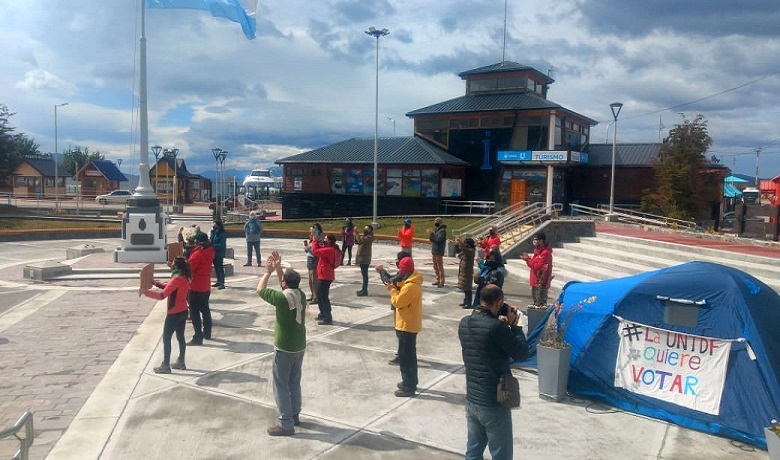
column 514, row 224
column 482, row 225
column 632, row 216
column 26, row 422
column 485, row 207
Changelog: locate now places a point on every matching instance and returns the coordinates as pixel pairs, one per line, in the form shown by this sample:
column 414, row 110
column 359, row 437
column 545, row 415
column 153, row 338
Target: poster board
column 147, row 279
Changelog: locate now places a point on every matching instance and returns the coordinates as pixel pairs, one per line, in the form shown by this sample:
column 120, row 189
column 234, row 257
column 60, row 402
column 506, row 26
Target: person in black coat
column 489, row 337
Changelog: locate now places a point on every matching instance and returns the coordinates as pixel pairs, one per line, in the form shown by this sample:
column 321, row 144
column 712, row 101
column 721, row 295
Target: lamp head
column 216, row 151
column 222, row 156
column 616, row 106
column 156, row 149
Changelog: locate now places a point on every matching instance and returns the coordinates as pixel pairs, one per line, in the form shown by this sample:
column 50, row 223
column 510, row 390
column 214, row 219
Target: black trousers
column 344, row 250
column 364, row 272
column 323, row 296
column 219, row 269
column 174, row 323
column 200, row 314
column 407, row 358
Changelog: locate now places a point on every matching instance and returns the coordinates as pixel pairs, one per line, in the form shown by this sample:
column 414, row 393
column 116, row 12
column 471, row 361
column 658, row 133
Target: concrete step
column 612, row 256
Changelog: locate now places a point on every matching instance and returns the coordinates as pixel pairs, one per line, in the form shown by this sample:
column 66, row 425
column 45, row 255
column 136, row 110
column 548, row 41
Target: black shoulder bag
column 508, row 388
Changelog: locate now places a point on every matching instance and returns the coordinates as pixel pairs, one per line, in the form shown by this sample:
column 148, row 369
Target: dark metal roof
column 494, row 103
column 109, row 170
column 625, row 154
column 391, row 150
column 45, row 166
column 506, row 66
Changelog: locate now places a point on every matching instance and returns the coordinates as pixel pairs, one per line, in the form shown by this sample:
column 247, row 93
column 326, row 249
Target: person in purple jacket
column 347, row 240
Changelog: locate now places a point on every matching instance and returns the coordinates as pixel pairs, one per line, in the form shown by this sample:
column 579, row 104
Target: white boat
column 262, row 182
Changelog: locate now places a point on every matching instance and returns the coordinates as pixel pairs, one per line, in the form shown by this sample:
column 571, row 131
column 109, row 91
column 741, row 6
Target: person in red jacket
column 541, row 264
column 326, row 254
column 406, row 235
column 201, row 258
column 491, row 240
column 175, row 291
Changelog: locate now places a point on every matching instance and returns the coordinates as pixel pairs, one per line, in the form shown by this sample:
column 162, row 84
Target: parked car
column 117, row 196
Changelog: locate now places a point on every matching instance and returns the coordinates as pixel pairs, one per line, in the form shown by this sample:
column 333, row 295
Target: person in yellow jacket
column 406, row 299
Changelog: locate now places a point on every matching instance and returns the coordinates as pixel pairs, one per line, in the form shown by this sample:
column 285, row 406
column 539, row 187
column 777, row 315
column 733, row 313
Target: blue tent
column 711, row 306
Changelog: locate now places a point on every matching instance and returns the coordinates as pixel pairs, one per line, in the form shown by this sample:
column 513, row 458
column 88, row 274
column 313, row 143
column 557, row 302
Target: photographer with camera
column 489, row 337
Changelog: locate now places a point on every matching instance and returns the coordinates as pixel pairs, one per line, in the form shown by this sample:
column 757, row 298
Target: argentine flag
column 240, row 11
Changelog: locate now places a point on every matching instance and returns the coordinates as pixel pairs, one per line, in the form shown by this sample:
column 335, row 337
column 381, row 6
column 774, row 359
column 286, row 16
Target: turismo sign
column 542, row 156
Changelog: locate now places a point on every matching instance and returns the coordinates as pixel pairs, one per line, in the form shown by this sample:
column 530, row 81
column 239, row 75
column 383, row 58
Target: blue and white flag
column 240, row 11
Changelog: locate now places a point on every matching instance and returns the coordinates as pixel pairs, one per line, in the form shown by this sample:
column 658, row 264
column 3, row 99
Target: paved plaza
column 79, row 353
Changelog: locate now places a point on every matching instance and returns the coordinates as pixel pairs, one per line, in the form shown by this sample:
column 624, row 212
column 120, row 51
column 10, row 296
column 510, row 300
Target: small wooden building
column 99, row 177
column 34, row 177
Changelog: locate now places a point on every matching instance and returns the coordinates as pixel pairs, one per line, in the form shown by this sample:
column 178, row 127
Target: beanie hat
column 201, row 237
column 408, row 221
column 406, row 265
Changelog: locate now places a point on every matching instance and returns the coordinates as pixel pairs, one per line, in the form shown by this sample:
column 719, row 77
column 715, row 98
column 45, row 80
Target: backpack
column 337, row 257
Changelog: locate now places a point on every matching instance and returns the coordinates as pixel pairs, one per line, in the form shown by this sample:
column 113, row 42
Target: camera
column 504, row 310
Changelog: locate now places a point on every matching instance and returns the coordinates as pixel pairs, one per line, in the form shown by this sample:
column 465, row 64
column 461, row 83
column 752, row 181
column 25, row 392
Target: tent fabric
column 729, row 191
column 733, row 305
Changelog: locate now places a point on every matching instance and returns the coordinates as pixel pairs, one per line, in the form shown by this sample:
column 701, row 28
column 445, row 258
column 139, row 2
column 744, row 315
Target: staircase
column 608, row 256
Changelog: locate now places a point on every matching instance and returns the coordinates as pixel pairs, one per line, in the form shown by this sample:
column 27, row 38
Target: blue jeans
column 256, row 246
column 287, row 385
column 488, row 426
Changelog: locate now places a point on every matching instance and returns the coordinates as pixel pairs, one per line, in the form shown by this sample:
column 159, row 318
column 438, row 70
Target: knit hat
column 408, row 221
column 406, row 265
column 201, row 237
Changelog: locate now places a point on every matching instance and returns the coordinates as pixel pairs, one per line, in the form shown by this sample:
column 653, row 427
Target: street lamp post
column 376, row 34
column 216, row 151
column 615, row 107
column 222, row 156
column 56, row 154
column 174, row 154
column 156, row 149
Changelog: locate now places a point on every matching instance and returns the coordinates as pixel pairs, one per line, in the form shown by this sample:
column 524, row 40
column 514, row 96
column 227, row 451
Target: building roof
column 735, row 180
column 625, row 154
column 506, row 66
column 45, row 166
column 109, row 170
column 729, row 191
column 507, row 102
column 391, row 150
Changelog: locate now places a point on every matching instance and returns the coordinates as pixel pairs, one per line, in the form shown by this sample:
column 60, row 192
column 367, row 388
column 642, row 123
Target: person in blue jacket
column 218, row 239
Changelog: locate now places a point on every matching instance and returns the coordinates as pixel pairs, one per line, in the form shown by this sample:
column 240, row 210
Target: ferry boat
column 261, row 182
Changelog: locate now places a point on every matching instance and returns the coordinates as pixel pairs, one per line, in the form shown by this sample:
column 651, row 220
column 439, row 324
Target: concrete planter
column 535, row 315
column 553, row 367
column 772, row 444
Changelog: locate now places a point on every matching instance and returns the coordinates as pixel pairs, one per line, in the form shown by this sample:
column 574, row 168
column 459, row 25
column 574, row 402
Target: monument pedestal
column 144, row 236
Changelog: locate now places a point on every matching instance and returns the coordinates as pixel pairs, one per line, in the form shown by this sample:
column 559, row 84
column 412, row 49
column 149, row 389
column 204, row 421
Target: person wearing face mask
column 492, row 240
column 347, row 240
column 363, row 255
column 406, row 236
column 201, row 258
column 175, row 290
column 541, row 264
column 326, row 253
column 406, row 299
column 491, row 272
column 438, row 238
column 218, row 239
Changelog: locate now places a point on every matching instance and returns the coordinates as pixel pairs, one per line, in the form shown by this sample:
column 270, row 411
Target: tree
column 75, row 159
column 684, row 182
column 26, row 146
column 10, row 156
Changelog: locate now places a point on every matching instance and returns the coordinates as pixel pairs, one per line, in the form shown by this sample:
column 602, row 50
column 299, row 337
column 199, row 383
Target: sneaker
column 361, row 293
column 215, row 285
column 296, row 420
column 163, row 369
column 195, row 342
column 248, row 265
column 441, row 284
column 404, row 393
column 279, row 431
column 221, row 286
column 179, row 364
column 435, row 283
column 325, row 322
column 394, row 362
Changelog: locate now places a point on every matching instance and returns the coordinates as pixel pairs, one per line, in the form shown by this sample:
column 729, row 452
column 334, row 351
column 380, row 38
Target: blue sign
column 514, row 155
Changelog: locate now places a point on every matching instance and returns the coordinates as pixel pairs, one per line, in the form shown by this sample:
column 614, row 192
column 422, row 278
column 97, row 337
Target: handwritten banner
column 682, row 369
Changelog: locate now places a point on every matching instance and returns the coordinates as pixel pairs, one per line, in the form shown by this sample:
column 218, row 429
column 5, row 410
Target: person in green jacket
column 363, row 255
column 218, row 239
column 289, row 341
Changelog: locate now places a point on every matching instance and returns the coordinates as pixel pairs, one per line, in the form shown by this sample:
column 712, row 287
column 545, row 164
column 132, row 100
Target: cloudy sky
column 307, row 80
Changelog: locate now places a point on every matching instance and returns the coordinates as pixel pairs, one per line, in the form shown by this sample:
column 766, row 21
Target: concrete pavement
column 88, row 347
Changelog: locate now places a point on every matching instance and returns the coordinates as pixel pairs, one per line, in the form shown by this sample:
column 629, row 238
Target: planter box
column 772, row 444
column 535, row 315
column 553, row 366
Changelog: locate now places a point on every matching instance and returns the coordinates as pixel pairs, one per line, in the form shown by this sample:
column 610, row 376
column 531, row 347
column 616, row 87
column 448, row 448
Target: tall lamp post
column 56, row 154
column 216, row 151
column 222, row 156
column 174, row 154
column 615, row 106
column 376, row 34
column 156, row 149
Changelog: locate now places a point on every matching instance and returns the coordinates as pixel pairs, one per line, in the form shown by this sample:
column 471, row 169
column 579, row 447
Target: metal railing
column 513, row 224
column 26, row 422
column 486, row 207
column 632, row 216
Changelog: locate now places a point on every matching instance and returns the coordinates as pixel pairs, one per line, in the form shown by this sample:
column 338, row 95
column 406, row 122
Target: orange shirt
column 406, row 234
